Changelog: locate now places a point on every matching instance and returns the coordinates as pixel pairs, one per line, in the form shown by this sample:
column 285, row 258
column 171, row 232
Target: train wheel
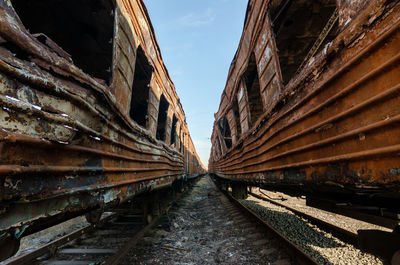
column 9, row 247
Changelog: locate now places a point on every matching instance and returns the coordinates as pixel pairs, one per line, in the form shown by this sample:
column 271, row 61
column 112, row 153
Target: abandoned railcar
column 311, row 106
column 89, row 116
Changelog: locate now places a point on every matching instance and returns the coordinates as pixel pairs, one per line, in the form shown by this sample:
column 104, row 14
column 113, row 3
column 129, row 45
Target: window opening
column 253, row 90
column 223, row 126
column 302, row 29
column 82, row 29
column 235, row 109
column 173, row 130
column 141, row 89
column 162, row 118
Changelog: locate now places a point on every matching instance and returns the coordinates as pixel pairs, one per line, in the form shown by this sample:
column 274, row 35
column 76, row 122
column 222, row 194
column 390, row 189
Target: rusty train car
column 89, row 116
column 311, row 106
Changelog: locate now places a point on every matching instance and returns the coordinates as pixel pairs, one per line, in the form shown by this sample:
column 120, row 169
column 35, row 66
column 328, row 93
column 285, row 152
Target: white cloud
column 198, row 19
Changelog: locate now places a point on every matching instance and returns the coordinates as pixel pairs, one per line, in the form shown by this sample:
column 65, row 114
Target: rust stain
column 68, row 139
column 332, row 118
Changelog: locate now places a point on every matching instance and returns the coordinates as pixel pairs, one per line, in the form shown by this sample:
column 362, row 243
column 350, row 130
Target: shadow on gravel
column 297, row 230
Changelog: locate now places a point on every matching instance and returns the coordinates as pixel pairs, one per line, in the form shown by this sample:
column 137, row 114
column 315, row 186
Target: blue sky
column 198, row 39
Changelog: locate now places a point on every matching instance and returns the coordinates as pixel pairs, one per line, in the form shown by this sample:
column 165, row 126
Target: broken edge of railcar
column 89, row 115
column 311, row 106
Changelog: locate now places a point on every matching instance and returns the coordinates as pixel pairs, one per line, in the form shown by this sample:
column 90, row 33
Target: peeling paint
column 330, row 102
column 67, row 141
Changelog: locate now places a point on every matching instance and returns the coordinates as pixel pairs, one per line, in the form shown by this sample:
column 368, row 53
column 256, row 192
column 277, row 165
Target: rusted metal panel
column 268, row 66
column 243, row 107
column 153, row 110
column 195, row 164
column 349, row 9
column 334, row 125
column 221, row 143
column 168, row 126
column 124, row 56
column 67, row 142
column 232, row 125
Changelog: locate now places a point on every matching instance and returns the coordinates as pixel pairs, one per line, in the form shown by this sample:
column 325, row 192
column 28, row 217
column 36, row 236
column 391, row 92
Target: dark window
column 302, row 28
column 140, row 89
column 82, row 28
column 235, row 109
column 223, row 126
column 173, row 130
column 162, row 118
column 253, row 90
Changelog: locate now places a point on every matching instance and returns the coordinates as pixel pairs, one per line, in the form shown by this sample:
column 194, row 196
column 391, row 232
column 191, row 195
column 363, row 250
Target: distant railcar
column 311, row 106
column 89, row 116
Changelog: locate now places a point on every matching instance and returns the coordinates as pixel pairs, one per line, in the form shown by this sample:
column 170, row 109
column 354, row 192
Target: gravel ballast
column 322, row 246
column 298, row 203
column 205, row 228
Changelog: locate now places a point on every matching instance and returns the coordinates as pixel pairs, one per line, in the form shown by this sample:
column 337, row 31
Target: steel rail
column 301, row 257
column 122, row 252
column 52, row 246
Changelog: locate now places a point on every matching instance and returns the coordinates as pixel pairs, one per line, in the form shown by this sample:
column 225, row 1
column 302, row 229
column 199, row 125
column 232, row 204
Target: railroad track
column 115, row 236
column 104, row 243
column 340, row 231
column 107, row 242
column 207, row 228
column 293, row 250
column 210, row 222
column 302, row 234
